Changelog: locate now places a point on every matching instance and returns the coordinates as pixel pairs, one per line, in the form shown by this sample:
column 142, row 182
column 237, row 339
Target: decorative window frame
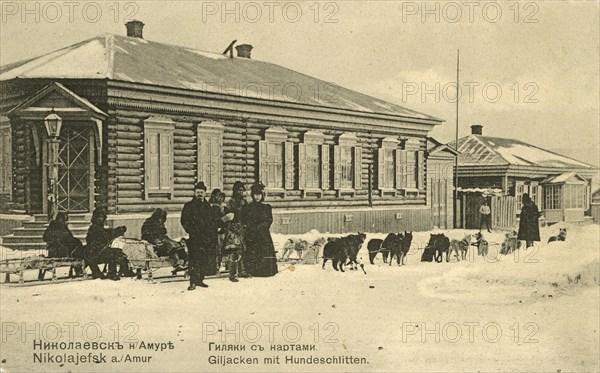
column 387, row 144
column 347, row 140
column 416, row 170
column 163, row 126
column 313, row 138
column 206, row 131
column 277, row 135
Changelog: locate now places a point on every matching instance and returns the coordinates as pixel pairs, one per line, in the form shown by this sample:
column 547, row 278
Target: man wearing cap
column 202, row 223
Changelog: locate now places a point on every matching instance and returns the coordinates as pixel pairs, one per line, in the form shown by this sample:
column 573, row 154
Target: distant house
column 143, row 121
column 559, row 185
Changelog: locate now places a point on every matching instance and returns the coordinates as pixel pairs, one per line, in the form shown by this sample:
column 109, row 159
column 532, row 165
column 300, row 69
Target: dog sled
column 39, row 263
column 142, row 257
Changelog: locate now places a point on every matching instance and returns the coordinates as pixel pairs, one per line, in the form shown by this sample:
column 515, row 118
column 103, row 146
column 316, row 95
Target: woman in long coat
column 260, row 251
column 529, row 229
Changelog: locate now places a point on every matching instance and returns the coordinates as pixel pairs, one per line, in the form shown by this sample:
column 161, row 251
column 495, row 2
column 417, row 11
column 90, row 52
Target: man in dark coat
column 529, row 229
column 98, row 248
column 258, row 217
column 202, row 223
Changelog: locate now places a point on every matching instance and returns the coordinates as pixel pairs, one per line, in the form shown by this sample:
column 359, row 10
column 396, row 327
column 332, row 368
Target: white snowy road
column 476, row 315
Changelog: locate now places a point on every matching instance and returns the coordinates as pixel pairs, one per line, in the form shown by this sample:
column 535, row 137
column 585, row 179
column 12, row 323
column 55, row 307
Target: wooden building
column 560, row 186
column 143, row 121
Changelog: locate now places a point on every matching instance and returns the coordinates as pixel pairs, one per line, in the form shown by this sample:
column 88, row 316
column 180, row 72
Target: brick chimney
column 135, row 29
column 477, row 129
column 244, row 50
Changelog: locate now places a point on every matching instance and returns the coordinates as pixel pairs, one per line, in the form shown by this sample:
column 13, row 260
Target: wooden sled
column 19, row 266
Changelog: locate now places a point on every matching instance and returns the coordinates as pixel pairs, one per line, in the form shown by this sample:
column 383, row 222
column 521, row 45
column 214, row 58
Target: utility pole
column 456, row 141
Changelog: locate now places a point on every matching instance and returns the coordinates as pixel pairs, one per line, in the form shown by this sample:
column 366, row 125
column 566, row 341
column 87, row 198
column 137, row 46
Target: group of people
column 237, row 230
column 529, row 229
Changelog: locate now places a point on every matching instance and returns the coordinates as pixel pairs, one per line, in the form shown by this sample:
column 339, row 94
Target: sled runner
column 18, row 266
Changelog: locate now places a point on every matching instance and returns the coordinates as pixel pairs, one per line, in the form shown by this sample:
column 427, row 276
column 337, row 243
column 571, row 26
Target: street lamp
column 53, row 124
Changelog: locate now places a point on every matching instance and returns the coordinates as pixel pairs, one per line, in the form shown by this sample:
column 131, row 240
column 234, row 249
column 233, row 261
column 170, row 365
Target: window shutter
column 399, row 167
column 381, row 168
column 357, row 167
column 217, row 162
column 204, row 159
column 302, row 166
column 420, row 169
column 289, row 166
column 325, row 167
column 403, row 165
column 152, row 166
column 337, row 155
column 166, row 161
column 263, row 162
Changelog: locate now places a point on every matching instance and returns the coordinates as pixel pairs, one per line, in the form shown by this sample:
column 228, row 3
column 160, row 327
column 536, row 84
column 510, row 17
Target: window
column 520, row 189
column 276, row 161
column 313, row 163
column 210, row 154
column 313, row 167
column 389, row 181
column 552, row 197
column 388, row 165
column 574, row 196
column 347, row 158
column 5, row 157
column 158, row 157
column 415, row 170
column 347, row 168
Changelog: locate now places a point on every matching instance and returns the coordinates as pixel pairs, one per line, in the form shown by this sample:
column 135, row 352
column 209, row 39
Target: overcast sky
column 529, row 70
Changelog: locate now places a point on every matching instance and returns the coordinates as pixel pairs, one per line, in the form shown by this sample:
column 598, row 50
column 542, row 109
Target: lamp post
column 53, row 124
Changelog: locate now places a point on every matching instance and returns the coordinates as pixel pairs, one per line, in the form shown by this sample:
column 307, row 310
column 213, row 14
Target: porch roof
column 565, row 178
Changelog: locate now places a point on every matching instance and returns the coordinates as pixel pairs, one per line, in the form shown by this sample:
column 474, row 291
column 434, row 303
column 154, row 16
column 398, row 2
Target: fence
column 504, row 211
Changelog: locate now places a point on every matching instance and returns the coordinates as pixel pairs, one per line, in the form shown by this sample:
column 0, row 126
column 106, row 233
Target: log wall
column 240, row 161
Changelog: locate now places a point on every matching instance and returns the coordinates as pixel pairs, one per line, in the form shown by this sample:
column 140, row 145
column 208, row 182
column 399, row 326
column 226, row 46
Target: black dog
column 406, row 242
column 437, row 246
column 374, row 247
column 442, row 245
column 396, row 247
column 401, row 247
column 329, row 249
column 347, row 251
column 429, row 251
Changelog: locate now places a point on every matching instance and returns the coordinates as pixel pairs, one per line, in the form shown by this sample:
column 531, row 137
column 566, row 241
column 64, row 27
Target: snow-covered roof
column 567, row 177
column 483, row 191
column 138, row 60
column 478, row 150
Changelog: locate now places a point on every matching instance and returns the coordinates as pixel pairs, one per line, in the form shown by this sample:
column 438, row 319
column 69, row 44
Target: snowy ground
column 536, row 311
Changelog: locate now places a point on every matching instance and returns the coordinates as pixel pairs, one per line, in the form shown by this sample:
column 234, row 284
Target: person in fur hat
column 234, row 244
column 98, row 248
column 260, row 250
